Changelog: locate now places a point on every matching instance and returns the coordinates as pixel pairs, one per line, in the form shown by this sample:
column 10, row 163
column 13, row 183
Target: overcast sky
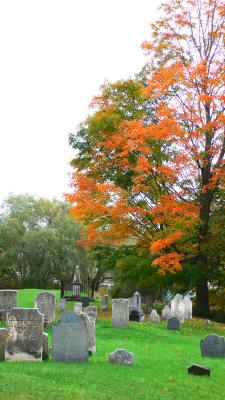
column 54, row 56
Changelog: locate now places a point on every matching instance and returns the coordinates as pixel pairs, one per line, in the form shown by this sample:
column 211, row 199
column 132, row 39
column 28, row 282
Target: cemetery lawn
column 160, row 370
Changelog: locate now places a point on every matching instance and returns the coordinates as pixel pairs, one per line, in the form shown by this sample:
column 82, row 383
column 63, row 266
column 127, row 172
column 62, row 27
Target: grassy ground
column 160, row 371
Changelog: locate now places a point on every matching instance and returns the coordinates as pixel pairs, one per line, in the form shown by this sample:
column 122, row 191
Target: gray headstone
column 62, row 305
column 45, row 303
column 196, row 369
column 91, row 331
column 24, row 337
column 70, row 339
column 2, row 343
column 120, row 313
column 213, row 346
column 173, row 324
column 104, row 302
column 121, row 356
column 8, row 300
column 166, row 313
column 78, row 307
column 91, row 311
column 45, row 354
column 154, row 316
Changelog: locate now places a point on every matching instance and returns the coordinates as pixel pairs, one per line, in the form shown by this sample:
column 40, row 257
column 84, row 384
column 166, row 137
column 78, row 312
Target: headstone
column 8, row 300
column 121, row 356
column 187, row 307
column 120, row 313
column 2, row 343
column 166, row 313
column 213, row 346
column 61, row 305
column 45, row 354
column 173, row 324
column 136, row 314
column 91, row 331
column 91, row 311
column 77, row 307
column 70, row 339
column 177, row 307
column 154, row 316
column 196, row 369
column 45, row 303
column 24, row 337
column 105, row 301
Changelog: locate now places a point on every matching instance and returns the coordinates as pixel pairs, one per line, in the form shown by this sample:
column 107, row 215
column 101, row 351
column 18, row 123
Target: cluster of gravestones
column 74, row 336
column 23, row 339
column 125, row 310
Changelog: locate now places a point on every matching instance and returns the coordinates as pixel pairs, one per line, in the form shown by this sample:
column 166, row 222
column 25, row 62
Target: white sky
column 54, row 56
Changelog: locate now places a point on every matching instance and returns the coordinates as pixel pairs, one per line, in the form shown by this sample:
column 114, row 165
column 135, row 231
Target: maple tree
column 150, row 163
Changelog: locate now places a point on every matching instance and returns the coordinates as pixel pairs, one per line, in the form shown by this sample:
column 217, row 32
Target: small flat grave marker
column 196, row 369
column 121, row 356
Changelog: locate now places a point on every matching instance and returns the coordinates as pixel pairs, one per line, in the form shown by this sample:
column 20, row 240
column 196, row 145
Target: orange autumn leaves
column 157, row 148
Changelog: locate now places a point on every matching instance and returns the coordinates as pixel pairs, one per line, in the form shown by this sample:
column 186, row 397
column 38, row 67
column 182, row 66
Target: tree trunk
column 202, row 300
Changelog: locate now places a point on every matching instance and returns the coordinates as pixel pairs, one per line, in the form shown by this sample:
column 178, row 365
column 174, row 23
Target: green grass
column 160, row 370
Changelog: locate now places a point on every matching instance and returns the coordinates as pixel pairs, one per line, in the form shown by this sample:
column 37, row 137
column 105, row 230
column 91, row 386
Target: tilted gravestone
column 173, row 324
column 91, row 311
column 120, row 313
column 121, row 356
column 213, row 346
column 2, row 343
column 24, row 337
column 91, row 331
column 45, row 303
column 196, row 369
column 70, row 339
column 8, row 300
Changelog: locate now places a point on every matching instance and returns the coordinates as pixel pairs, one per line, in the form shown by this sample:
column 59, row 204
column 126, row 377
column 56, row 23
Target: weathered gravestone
column 187, row 307
column 2, row 343
column 8, row 300
column 177, row 307
column 173, row 324
column 61, row 305
column 120, row 313
column 136, row 314
column 91, row 331
column 70, row 339
column 104, row 302
column 196, row 369
column 166, row 312
column 121, row 356
column 213, row 346
column 24, row 337
column 45, row 303
column 78, row 307
column 91, row 311
column 154, row 316
column 45, row 354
